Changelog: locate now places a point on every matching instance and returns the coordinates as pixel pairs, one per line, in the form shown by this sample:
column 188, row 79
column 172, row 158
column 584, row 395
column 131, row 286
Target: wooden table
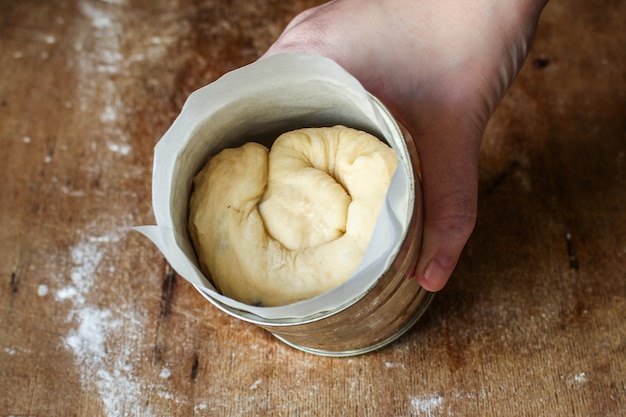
column 94, row 323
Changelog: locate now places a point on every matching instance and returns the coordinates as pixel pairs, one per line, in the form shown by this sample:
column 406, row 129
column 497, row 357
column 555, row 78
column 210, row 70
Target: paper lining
column 262, row 100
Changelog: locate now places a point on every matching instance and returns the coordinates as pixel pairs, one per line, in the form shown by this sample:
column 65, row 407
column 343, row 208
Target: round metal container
column 296, row 91
column 375, row 317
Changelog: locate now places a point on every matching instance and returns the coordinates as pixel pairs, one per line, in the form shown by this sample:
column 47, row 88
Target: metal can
column 381, row 314
column 223, row 115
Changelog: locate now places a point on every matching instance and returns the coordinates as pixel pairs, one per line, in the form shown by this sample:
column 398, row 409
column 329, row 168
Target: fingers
column 449, row 162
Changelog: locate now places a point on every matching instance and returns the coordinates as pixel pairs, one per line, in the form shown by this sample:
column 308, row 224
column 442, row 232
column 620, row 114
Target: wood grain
column 93, row 321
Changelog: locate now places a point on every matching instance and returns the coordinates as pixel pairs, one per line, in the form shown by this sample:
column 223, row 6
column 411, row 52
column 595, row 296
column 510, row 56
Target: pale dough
column 272, row 228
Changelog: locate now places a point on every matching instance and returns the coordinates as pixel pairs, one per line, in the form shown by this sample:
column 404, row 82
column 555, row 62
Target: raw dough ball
column 272, row 228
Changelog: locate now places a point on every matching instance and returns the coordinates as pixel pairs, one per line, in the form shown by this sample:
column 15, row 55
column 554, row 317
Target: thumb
column 449, row 163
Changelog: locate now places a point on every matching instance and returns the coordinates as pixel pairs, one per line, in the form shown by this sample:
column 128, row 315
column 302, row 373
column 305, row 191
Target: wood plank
column 93, row 321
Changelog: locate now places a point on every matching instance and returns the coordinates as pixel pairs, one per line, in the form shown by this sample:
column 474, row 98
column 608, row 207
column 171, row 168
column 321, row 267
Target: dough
column 274, row 227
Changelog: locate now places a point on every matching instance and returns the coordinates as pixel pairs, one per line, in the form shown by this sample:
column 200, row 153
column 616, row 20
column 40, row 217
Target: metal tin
column 296, row 91
column 377, row 316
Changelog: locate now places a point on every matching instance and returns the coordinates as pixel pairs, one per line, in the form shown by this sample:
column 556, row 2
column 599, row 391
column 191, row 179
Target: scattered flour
column 165, row 373
column 105, row 336
column 122, row 149
column 88, row 340
column 166, row 395
column 109, row 114
column 66, row 293
column 42, row 290
column 96, row 328
column 394, row 365
column 101, row 54
column 427, row 407
column 581, row 378
column 200, row 407
column 256, row 384
column 74, row 193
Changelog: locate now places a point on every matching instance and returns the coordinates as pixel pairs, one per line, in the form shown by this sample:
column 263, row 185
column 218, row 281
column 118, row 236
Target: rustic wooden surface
column 94, row 323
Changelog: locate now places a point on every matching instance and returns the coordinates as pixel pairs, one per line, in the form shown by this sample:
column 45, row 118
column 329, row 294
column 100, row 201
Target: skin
column 441, row 67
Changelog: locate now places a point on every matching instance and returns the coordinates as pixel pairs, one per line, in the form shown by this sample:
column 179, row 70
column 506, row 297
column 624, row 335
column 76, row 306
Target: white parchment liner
column 258, row 102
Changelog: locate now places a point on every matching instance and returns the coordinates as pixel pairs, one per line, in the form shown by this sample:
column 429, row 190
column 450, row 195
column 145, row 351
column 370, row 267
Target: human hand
column 441, row 67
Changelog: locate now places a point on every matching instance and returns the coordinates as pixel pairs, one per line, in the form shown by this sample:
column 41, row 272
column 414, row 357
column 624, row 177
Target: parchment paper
column 258, row 102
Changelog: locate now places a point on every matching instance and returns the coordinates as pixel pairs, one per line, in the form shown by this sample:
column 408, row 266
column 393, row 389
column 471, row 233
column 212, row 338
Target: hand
column 441, row 67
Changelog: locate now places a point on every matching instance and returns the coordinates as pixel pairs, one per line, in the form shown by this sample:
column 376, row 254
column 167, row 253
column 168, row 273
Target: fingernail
column 437, row 272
